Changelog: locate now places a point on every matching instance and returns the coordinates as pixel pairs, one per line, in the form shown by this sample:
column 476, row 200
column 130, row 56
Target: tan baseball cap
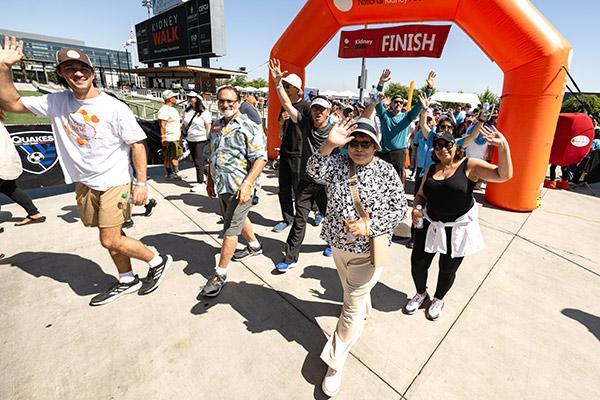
column 68, row 54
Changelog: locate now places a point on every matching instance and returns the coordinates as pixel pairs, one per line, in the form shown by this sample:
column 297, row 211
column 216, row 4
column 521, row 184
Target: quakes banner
column 36, row 147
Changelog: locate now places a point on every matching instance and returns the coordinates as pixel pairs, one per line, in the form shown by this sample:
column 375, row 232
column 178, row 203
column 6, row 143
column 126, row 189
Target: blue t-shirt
column 424, row 148
column 596, row 144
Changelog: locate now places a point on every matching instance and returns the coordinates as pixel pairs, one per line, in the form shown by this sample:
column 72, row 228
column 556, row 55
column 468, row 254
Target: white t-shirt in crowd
column 197, row 130
column 93, row 137
column 10, row 162
column 475, row 150
column 173, row 127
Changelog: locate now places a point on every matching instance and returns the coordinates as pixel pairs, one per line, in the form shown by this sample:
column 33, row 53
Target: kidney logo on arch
column 343, row 5
column 580, row 141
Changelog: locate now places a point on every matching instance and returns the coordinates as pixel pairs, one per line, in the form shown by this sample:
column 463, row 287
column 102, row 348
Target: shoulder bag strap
column 187, row 128
column 353, row 182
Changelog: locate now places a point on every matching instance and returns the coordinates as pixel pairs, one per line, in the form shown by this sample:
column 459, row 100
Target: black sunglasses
column 446, row 126
column 443, row 145
column 287, row 85
column 364, row 144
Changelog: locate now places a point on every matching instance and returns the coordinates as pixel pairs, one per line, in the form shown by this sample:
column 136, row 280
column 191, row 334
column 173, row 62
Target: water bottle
column 374, row 92
column 125, row 200
column 419, row 223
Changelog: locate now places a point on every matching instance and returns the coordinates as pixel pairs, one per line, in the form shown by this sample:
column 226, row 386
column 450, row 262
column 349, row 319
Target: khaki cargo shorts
column 102, row 209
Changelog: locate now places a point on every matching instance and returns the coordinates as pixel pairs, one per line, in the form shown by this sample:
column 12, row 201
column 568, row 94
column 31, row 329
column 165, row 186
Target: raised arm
column 425, row 102
column 490, row 172
column 10, row 54
column 277, row 74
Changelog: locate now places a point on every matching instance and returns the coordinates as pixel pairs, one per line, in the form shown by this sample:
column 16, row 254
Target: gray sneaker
column 416, row 302
column 246, row 252
column 214, row 285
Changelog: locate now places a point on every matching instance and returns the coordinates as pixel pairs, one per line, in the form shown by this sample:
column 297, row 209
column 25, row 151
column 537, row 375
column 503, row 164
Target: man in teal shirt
column 395, row 124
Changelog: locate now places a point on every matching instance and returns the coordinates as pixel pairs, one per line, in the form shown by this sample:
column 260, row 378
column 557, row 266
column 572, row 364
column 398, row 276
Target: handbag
column 379, row 252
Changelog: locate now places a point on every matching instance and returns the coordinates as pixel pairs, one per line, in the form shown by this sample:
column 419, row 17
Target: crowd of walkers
column 347, row 163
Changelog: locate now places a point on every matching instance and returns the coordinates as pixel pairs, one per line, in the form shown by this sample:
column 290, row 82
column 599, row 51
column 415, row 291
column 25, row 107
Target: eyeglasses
column 446, row 127
column 226, row 101
column 443, row 145
column 365, row 144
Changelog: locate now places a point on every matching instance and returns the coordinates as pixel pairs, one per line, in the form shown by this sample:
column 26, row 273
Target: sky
column 253, row 27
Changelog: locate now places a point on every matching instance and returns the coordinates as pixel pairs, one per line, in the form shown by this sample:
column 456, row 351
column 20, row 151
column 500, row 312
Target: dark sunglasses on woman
column 364, row 144
column 441, row 145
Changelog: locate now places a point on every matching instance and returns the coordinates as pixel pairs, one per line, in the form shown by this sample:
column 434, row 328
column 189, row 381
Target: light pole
column 148, row 5
column 130, row 41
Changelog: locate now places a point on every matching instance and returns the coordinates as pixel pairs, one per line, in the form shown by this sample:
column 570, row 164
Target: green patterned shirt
column 232, row 150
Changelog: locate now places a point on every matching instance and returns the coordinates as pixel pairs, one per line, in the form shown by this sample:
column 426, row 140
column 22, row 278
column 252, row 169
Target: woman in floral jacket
column 381, row 195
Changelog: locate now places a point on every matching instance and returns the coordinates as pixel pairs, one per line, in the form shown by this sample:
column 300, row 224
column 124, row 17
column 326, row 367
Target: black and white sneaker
column 117, row 290
column 151, row 204
column 155, row 276
column 247, row 252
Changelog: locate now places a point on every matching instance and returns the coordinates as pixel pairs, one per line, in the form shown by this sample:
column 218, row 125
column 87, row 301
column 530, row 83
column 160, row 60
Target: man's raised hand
column 430, row 81
column 386, row 75
column 12, row 52
column 275, row 68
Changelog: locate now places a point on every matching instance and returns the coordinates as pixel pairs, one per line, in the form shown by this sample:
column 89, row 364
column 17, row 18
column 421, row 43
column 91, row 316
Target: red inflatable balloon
column 572, row 140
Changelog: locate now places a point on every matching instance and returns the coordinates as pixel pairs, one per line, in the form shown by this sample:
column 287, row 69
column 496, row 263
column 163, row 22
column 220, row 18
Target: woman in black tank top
column 446, row 196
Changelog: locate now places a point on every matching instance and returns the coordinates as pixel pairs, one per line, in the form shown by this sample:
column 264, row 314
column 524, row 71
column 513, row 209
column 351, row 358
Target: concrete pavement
column 522, row 320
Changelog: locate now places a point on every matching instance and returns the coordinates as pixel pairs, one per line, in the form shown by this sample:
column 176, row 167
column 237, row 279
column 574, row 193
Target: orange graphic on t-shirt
column 81, row 126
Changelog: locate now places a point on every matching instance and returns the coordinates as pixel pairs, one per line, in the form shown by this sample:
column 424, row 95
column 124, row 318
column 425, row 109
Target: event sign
column 398, row 41
column 194, row 29
column 37, row 149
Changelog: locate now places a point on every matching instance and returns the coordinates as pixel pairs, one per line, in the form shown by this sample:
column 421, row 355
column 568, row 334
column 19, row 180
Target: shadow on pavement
column 590, row 321
column 256, row 304
column 85, row 277
column 203, row 203
column 70, row 216
column 7, row 216
column 199, row 255
column 258, row 219
column 383, row 297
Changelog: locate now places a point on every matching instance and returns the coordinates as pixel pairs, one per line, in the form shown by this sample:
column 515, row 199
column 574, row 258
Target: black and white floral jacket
column 380, row 190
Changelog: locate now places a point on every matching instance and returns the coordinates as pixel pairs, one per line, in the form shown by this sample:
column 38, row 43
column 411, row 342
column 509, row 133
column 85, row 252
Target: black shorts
column 397, row 158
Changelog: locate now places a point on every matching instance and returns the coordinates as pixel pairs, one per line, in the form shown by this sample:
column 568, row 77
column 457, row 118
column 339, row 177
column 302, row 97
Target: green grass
column 27, row 118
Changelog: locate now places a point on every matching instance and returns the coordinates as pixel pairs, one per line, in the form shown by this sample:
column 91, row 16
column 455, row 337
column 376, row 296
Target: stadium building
column 111, row 66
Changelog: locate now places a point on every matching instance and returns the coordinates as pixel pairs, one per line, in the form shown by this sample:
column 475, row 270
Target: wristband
column 248, row 183
column 136, row 183
column 279, row 86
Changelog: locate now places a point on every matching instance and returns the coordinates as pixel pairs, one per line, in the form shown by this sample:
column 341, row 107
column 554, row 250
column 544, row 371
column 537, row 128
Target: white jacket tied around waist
column 466, row 235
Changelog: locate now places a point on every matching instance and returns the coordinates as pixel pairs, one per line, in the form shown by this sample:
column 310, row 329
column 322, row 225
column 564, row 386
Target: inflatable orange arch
column 527, row 48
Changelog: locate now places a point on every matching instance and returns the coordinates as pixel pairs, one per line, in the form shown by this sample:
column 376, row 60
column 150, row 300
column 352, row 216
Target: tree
column 258, row 83
column 489, row 97
column 243, row 82
column 592, row 104
column 396, row 89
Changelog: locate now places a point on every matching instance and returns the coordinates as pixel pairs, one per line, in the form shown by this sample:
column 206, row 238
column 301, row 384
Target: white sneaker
column 332, row 382
column 195, row 188
column 435, row 309
column 416, row 302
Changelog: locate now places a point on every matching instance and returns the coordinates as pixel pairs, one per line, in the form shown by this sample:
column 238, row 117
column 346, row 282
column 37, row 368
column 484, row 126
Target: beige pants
column 358, row 277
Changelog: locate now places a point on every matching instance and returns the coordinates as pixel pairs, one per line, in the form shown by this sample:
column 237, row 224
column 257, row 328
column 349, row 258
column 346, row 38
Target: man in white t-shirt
column 170, row 134
column 96, row 137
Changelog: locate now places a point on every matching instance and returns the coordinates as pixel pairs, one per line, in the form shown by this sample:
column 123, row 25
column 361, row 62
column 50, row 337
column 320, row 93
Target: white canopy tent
column 453, row 97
